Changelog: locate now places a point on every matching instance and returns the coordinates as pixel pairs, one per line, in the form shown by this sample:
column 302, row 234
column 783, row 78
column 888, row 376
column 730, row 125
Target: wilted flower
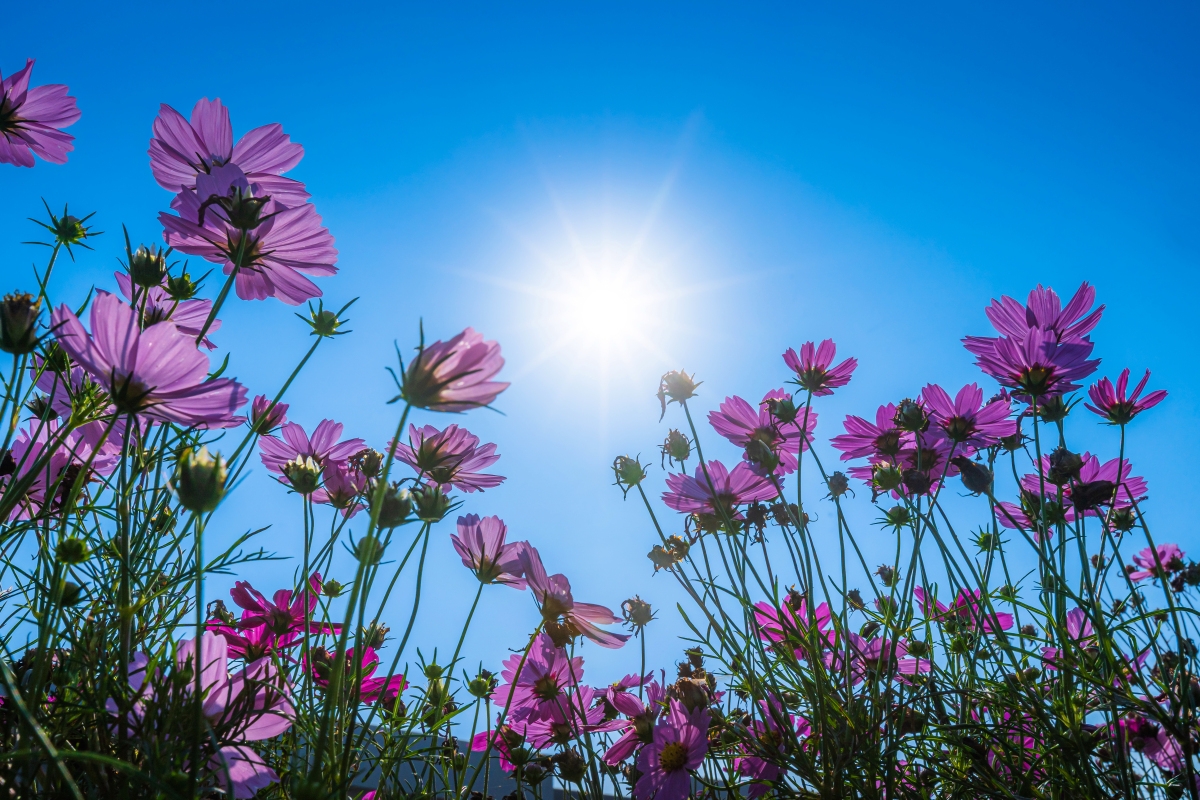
column 170, row 385
column 1113, row 404
column 455, row 375
column 812, row 367
column 637, row 612
column 31, row 120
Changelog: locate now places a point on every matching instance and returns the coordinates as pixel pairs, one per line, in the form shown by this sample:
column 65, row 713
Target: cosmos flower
column 544, row 680
column 864, row 439
column 812, row 367
column 1113, row 404
column 371, row 688
column 47, row 460
column 792, row 621
column 766, row 731
column 722, row 493
column 559, row 609
column 679, row 745
column 155, row 372
column 967, row 418
column 742, row 425
column 323, row 446
column 228, row 219
column 1038, row 363
column 156, row 305
column 1156, row 562
column 450, row 457
column 1080, row 633
column 480, row 543
column 455, row 375
column 264, row 417
column 31, row 120
column 1043, row 311
column 638, row 729
column 181, row 150
column 966, row 609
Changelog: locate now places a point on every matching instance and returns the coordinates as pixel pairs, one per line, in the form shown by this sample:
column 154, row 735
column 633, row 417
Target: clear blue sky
column 873, row 173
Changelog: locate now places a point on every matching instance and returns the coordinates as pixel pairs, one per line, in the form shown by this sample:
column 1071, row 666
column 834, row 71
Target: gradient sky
column 755, row 179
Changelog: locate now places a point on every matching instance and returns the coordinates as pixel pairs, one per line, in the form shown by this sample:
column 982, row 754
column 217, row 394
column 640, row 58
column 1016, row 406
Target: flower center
column 9, row 121
column 546, row 687
column 673, row 757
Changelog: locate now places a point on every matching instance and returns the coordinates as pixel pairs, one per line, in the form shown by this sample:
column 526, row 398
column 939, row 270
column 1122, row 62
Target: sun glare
column 604, row 309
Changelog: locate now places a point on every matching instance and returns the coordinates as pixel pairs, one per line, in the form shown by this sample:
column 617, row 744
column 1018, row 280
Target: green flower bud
column 200, row 480
column 629, row 471
column 678, row 386
column 148, row 266
column 676, row 447
column 73, row 550
column 368, row 550
column 182, row 287
column 18, row 323
column 395, row 507
column 69, row 594
column 303, row 473
column 430, row 503
column 331, row 589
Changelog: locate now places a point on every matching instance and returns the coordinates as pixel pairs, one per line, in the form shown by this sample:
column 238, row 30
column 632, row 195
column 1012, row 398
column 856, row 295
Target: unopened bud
column 629, row 472
column 676, row 387
column 783, row 409
column 331, row 588
column 885, row 477
column 396, row 505
column 911, row 416
column 838, row 484
column 854, row 598
column 482, row 685
column 18, row 323
column 676, row 447
column 897, row 517
column 1122, row 519
column 200, row 480
column 73, row 550
column 637, row 612
column 1064, row 466
column 181, row 287
column 430, row 503
column 987, row 542
column 368, row 550
column 148, row 266
column 324, row 323
column 761, row 454
column 69, row 594
column 303, row 473
column 976, row 477
column 887, row 575
column 374, row 635
column 368, row 461
column 266, row 416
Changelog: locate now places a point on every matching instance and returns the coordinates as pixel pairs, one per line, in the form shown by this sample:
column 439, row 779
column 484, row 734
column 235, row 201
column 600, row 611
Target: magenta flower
column 558, row 606
column 1156, row 562
column 55, row 457
column 359, row 670
column 451, row 457
column 284, row 614
column 864, row 439
column 721, row 494
column 156, row 305
column 770, row 738
column 812, row 367
column 578, row 711
column 638, row 729
column 1096, row 486
column 1112, row 403
column 1043, row 311
column 480, row 543
column 180, row 151
column 1038, row 364
column 343, row 483
column 679, row 745
column 545, row 678
column 777, row 625
column 31, row 120
column 1079, row 630
column 226, row 219
column 738, row 422
column 322, row 447
column 966, row 609
column 155, row 372
column 967, row 419
column 454, row 375
column 264, row 417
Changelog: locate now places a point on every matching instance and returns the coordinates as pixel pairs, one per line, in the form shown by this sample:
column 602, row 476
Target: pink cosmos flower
column 1043, row 311
column 638, row 729
column 371, row 688
column 967, row 419
column 1157, row 562
column 155, row 372
column 741, row 424
column 264, row 417
column 450, row 457
column 554, row 598
column 50, row 460
column 812, row 367
column 679, row 745
column 342, row 486
column 281, row 244
column 180, row 151
column 1079, row 630
column 877, row 658
column 156, row 305
column 1112, row 403
column 480, row 543
column 251, row 705
column 285, row 613
column 577, row 712
column 545, row 678
column 323, row 446
column 723, row 492
column 1095, row 486
column 792, row 622
column 767, row 731
column 1038, row 363
column 864, row 439
column 31, row 120
column 966, row 609
column 455, row 375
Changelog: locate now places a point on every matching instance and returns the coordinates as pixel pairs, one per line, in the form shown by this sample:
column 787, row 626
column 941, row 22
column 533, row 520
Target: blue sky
column 760, row 176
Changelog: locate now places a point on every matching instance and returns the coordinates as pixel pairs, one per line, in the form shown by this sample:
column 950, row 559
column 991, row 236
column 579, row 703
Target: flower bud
column 331, row 589
column 761, row 455
column 182, row 287
column 200, row 480
column 482, row 685
column 395, row 507
column 917, row 481
column 1122, row 519
column 1054, row 409
column 976, row 477
column 303, row 473
column 637, row 612
column 911, row 416
column 73, row 550
column 838, row 484
column 433, row 671
column 374, row 635
column 69, row 594
column 39, row 406
column 987, row 541
column 324, row 323
column 676, row 447
column 897, row 517
column 430, row 503
column 69, row 229
column 18, row 323
column 885, row 477
column 570, row 765
column 917, row 648
column 783, row 409
column 148, row 266
column 266, row 416
column 1064, row 466
column 854, row 599
column 678, row 386
column 368, row 550
column 888, row 575
column 629, row 471
column 1093, row 494
column 368, row 461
